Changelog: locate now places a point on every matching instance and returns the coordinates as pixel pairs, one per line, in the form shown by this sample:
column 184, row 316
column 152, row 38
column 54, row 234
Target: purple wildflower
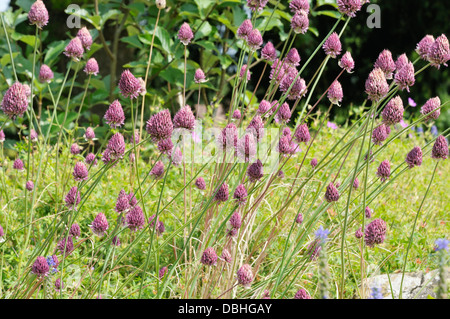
column 74, row 49
column 236, row 115
column 80, row 172
column 349, row 7
column 226, row 256
column 45, row 74
column 245, row 275
column 368, row 212
column 431, row 109
column 75, row 230
column 200, row 183
column 393, row 111
column 384, row 171
column 404, row 78
column 40, row 267
column 100, row 225
column 402, row 61
column 314, row 162
column 386, row 63
column 440, row 148
column 222, row 193
column 65, row 247
column 300, row 22
column 257, row 5
column 185, row 34
column 414, row 157
column 38, row 14
column 240, row 194
column 89, row 135
column 335, row 93
column 209, row 257
column 359, row 234
column 160, row 126
column 268, row 52
column 302, row 134
column 199, row 76
column 135, row 219
column 375, row 232
column 302, row 294
column 91, row 67
column 59, row 284
column 299, row 218
column 157, row 170
column 254, row 40
column 91, row 159
column 73, row 198
column 441, row 244
column 376, row 85
column 299, row 6
column 29, row 186
column 244, row 71
column 15, row 101
column 439, row 52
column 347, row 62
column 292, row 58
column 2, row 136
column 255, row 171
column 423, row 47
column 246, row 148
column 184, row 118
column 18, row 165
column 162, row 272
column 332, row 194
column 129, row 86
column 244, row 30
column 380, row 134
column 332, row 45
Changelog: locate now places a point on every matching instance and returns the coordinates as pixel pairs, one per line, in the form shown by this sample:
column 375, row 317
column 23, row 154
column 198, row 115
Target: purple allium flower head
column 165, row 146
column 289, row 76
column 405, row 77
column 91, row 159
column 129, row 85
column 199, row 76
column 292, row 58
column 177, row 157
column 162, row 272
column 431, row 108
column 236, row 115
column 439, row 52
column 246, row 147
column 73, row 198
column 402, row 60
column 75, row 149
column 91, row 67
column 423, row 47
column 59, row 284
column 332, row 45
column 184, row 118
column 414, row 157
column 256, row 127
column 300, row 22
column 380, row 134
column 89, row 135
column 226, row 256
column 160, row 126
column 244, row 71
column 33, row 135
column 375, row 232
column 75, row 230
column 264, row 107
column 299, row 6
column 2, row 136
column 299, row 218
column 376, row 85
column 349, row 7
column 302, row 294
column 200, row 183
column 40, row 267
column 440, row 148
column 86, row 38
column 122, row 203
column 268, row 52
column 332, row 194
column 100, row 225
column 359, row 234
column 245, row 275
column 255, row 171
column 159, row 224
column 29, row 186
column 356, row 183
column 384, row 171
column 45, row 74
column 393, row 111
column 15, row 101
column 285, row 145
column 302, row 134
column 335, row 93
column 235, row 220
column 347, row 62
column 185, row 34
column 209, row 257
column 441, row 244
column 18, row 165
column 38, row 14
column 222, row 193
column 254, row 40
column 80, row 172
column 240, row 194
column 368, row 212
column 135, row 219
column 74, row 49
column 65, row 247
column 298, row 90
column 244, row 30
column 314, row 162
column 283, row 114
column 158, row 170
column 257, row 5
column 116, row 146
column 277, row 71
column 314, row 249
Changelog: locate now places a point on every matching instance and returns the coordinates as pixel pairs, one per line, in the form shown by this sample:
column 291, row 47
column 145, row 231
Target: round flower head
column 244, row 71
column 439, row 52
column 283, row 114
column 33, row 135
column 74, row 49
column 85, row 37
column 240, row 194
column 75, row 149
column 375, row 232
column 314, row 162
column 176, row 157
column 380, row 134
column 222, row 193
column 402, row 60
column 90, row 159
column 299, row 6
column 158, row 170
column 376, row 85
column 332, row 194
column 245, row 275
column 15, row 101
column 73, row 198
column 393, row 111
column 65, row 247
column 257, row 5
column 299, row 218
column 2, row 136
column 244, row 30
column 298, row 90
column 384, row 171
column 29, row 186
column 292, row 58
column 431, row 108
column 159, row 225
column 349, row 7
column 441, row 244
column 386, row 63
column 226, row 256
column 184, row 118
column 359, row 234
column 405, row 77
column 40, row 267
column 45, row 74
column 162, row 272
column 80, row 172
column 209, row 257
column 278, row 69
column 254, row 40
column 185, row 34
column 38, row 14
column 89, row 135
column 440, row 148
column 135, row 219
column 423, row 47
column 18, row 165
column 161, row 4
column 368, row 212
column 335, row 93
column 255, row 171
column 116, row 146
column 235, row 220
column 356, row 183
column 302, row 134
column 99, row 225
column 227, row 140
column 199, row 76
column 332, row 45
column 302, row 294
column 122, row 204
column 58, row 284
column 129, row 85
column 256, row 127
column 414, row 157
column 289, row 76
column 200, row 183
column 236, row 115
column 347, row 62
column 264, row 107
column 165, row 146
column 268, row 52
column 300, row 22
column 75, row 230
column 91, row 67
column 160, row 126
column 246, row 148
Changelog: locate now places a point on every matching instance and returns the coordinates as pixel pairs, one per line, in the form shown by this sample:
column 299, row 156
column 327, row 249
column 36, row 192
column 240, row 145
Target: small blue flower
column 434, row 130
column 376, row 293
column 420, row 129
column 50, row 262
column 322, row 234
column 441, row 244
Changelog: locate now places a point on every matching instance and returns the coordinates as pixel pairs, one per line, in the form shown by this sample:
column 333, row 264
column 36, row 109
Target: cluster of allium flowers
column 29, row 186
column 393, row 111
column 209, row 257
column 292, row 59
column 129, row 85
column 254, row 40
column 375, row 232
column 386, row 63
column 278, row 70
column 74, row 49
column 380, row 134
column 302, row 294
column 300, row 22
column 335, row 93
column 59, row 284
column 298, row 90
column 157, row 170
column 160, row 126
column 123, row 202
column 283, row 114
column 235, row 221
column 80, row 172
column 302, row 134
column 222, row 193
column 228, row 137
column 423, row 47
column 245, row 275
column 86, row 39
column 176, row 157
column 38, row 14
column 91, row 67
column 75, row 149
column 289, row 77
column 162, row 272
column 89, row 135
column 347, row 62
column 185, row 34
column 331, row 194
column 65, row 247
column 299, row 6
column 349, row 7
column 401, row 61
column 264, row 107
column 75, row 230
column 359, row 234
column 414, row 157
column 404, row 78
column 15, row 101
column 299, row 218
column 91, row 159
column 18, row 165
column 376, row 85
column 159, row 224
column 135, row 219
column 200, row 183
column 73, row 198
column 199, row 76
column 45, row 74
column 236, row 115
column 240, row 194
column 440, row 148
column 244, row 29
column 244, row 71
column 441, row 244
column 40, row 267
column 256, row 127
column 2, row 136
column 439, row 52
column 268, row 52
column 332, row 45
column 255, row 171
column 368, row 212
column 431, row 108
column 226, row 256
column 184, row 118
column 286, row 146
column 257, row 5
column 384, row 171
column 99, row 225
column 116, row 147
